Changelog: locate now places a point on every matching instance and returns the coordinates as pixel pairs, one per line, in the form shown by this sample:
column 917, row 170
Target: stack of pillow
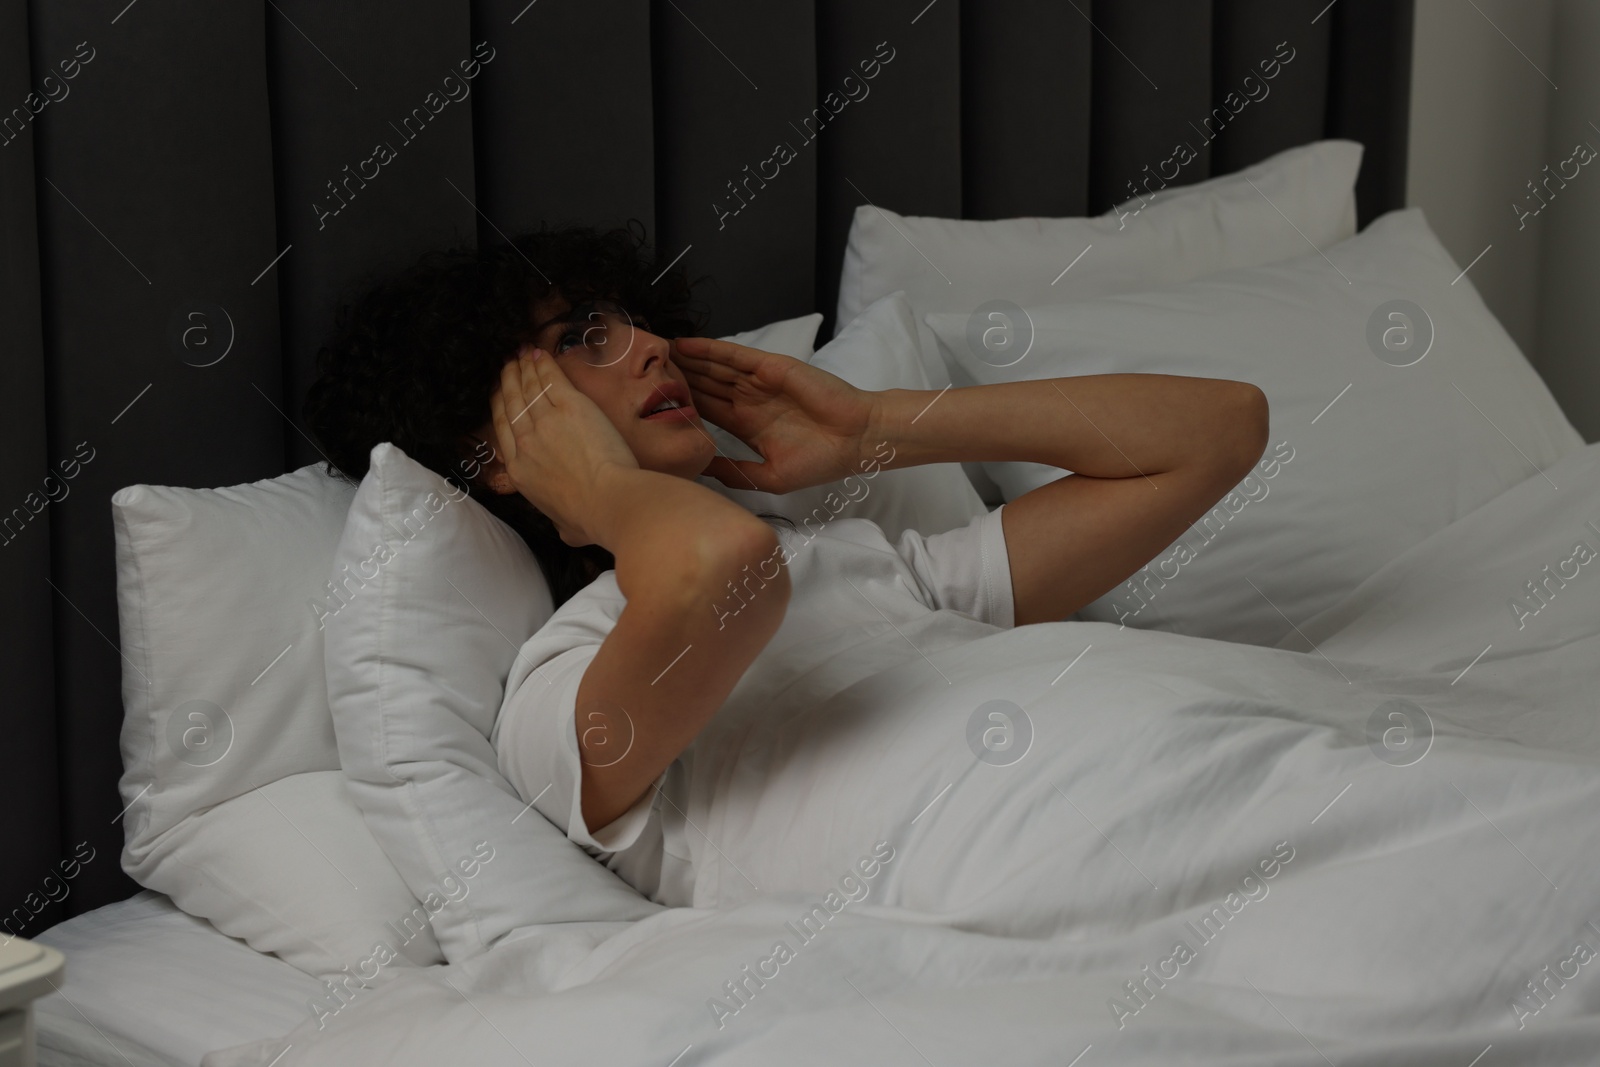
column 313, row 669
column 1398, row 401
column 237, row 806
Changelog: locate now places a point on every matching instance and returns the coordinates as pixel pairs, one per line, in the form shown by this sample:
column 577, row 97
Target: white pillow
column 1180, row 233
column 237, row 809
column 1367, row 456
column 417, row 660
column 791, row 337
column 878, row 350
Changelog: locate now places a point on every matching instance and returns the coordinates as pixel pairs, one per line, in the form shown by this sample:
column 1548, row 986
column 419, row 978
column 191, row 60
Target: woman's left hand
column 808, row 425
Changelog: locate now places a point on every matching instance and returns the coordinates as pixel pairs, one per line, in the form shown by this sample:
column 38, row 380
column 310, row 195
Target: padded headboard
column 183, row 158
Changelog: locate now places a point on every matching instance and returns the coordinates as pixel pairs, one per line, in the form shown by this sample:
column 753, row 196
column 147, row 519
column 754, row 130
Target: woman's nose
column 650, row 349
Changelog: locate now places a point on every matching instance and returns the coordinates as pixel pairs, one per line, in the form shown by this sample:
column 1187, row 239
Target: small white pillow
column 237, row 809
column 1180, row 233
column 790, row 337
column 1398, row 405
column 878, row 350
column 417, row 658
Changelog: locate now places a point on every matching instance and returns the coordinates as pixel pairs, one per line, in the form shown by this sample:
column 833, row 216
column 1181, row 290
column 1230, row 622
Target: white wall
column 1487, row 116
column 1569, row 261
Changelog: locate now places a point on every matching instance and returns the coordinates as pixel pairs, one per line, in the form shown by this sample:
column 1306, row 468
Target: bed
column 152, row 985
column 954, row 950
column 1314, row 786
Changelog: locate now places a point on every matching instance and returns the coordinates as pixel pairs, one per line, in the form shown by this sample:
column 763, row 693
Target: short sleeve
column 966, row 569
column 535, row 737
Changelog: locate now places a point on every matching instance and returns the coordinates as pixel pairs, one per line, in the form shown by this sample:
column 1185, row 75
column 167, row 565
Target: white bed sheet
column 1099, row 900
column 148, row 984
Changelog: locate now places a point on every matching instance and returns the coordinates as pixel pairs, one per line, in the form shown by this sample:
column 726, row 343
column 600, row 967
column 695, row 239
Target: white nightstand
column 26, row 973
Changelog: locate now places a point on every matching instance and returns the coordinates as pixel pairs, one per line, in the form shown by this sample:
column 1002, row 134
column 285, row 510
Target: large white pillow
column 877, row 350
column 416, row 660
column 1380, row 436
column 237, row 809
column 1261, row 214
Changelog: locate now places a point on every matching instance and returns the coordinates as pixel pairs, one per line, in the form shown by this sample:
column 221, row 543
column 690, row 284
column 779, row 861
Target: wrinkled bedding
column 1376, row 844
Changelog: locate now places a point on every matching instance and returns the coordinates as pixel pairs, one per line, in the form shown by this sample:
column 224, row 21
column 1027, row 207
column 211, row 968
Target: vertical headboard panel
column 1272, row 57
column 899, row 146
column 1025, row 108
column 730, row 78
column 1369, row 96
column 180, row 225
column 372, row 152
column 31, row 787
column 1151, row 82
column 545, row 154
column 155, row 214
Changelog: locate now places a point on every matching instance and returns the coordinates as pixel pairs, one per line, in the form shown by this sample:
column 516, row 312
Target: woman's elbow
column 746, row 555
column 1246, row 426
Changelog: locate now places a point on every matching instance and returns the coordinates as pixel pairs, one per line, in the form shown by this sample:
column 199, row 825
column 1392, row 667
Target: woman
column 573, row 377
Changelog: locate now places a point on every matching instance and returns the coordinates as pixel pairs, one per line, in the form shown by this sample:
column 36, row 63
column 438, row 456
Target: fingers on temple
column 738, row 356
column 532, row 373
column 542, row 380
column 511, row 386
column 707, row 370
column 502, row 425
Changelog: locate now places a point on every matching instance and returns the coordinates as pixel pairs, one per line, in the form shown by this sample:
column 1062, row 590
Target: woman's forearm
column 670, row 661
column 1100, row 425
column 645, row 518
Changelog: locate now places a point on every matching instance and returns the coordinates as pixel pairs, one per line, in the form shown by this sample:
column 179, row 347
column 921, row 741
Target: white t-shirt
column 849, row 588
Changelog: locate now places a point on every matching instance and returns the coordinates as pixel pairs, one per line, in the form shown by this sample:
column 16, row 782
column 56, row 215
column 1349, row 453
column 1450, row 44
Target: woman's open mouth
column 668, row 403
column 668, row 413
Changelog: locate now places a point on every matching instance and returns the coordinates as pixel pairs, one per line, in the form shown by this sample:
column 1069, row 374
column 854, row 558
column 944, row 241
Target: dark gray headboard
column 196, row 161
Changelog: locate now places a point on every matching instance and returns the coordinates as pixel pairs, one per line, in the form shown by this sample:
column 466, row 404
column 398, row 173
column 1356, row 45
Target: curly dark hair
column 415, row 359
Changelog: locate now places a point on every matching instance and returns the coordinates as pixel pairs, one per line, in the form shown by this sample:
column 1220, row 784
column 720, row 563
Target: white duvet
column 1383, row 849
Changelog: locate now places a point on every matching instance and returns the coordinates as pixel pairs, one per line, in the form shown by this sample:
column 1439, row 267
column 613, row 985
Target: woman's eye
column 594, row 334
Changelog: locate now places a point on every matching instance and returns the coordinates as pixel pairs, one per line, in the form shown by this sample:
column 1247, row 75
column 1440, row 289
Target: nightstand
column 27, row 972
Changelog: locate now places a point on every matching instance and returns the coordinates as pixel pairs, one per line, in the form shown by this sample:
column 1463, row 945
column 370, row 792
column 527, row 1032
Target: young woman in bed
column 563, row 380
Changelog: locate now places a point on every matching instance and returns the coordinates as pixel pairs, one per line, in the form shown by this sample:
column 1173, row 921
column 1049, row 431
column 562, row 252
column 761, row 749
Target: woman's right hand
column 556, row 444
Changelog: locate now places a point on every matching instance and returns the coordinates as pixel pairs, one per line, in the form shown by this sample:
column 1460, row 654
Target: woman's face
column 620, row 365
